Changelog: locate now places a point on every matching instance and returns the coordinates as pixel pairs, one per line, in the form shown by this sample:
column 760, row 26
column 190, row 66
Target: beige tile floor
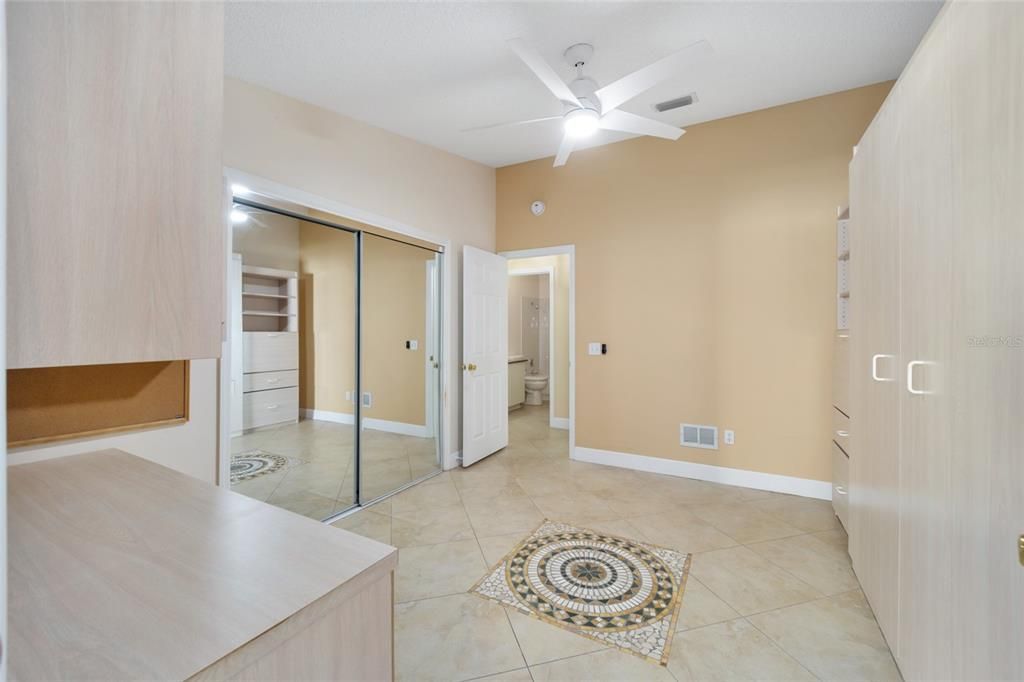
column 771, row 594
column 321, row 482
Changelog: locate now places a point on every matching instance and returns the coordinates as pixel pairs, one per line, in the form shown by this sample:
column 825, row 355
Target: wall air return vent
column 677, row 103
column 698, row 436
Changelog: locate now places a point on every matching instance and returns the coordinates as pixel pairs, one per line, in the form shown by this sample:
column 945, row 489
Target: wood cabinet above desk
column 124, row 569
column 116, row 215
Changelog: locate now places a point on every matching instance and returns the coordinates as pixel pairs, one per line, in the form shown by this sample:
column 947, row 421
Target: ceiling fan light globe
column 581, row 123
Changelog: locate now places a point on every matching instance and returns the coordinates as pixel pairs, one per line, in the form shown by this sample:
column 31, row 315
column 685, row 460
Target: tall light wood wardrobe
column 936, row 500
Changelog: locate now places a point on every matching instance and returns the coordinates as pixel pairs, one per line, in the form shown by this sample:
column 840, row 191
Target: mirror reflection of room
column 398, row 441
column 293, row 362
column 296, row 318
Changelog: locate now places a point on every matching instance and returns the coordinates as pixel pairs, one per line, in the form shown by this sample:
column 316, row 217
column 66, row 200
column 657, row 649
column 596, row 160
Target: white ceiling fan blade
column 628, row 87
column 510, row 124
column 626, row 122
column 543, row 71
column 564, row 150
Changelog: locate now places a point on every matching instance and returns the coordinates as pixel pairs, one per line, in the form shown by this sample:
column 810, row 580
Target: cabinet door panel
column 925, row 217
column 986, row 374
column 116, row 223
column 874, row 332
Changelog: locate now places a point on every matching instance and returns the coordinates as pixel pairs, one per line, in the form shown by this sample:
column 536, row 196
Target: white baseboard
column 416, row 430
column 453, row 460
column 326, row 416
column 805, row 487
column 560, row 423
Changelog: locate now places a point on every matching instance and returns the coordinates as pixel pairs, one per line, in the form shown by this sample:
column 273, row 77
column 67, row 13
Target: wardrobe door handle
column 910, row 377
column 874, row 367
column 840, row 489
column 842, row 434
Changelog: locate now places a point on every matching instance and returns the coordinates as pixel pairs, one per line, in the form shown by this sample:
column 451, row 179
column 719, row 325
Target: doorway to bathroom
column 541, row 330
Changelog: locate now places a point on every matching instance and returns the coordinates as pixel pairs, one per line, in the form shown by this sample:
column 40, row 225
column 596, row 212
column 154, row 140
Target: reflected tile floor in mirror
column 313, row 465
column 770, row 596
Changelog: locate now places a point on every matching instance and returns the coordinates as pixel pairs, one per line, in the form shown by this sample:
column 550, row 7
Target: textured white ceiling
column 427, row 70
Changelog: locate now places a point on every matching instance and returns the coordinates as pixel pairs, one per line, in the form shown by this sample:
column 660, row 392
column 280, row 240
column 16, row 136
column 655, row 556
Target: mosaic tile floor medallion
column 621, row 592
column 253, row 463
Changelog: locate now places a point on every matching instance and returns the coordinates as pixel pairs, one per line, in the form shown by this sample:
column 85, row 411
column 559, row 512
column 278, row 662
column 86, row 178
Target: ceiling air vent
column 698, row 436
column 678, row 102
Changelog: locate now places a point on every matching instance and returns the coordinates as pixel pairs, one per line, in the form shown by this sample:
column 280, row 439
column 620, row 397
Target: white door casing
column 484, row 354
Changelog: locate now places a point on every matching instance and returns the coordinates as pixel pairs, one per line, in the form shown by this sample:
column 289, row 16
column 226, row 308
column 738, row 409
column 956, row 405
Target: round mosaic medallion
column 591, row 580
column 251, row 464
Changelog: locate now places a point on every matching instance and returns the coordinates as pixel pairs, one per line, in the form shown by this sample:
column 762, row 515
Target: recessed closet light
column 238, row 217
column 239, row 190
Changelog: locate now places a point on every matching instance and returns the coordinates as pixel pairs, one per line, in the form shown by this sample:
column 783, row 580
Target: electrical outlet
column 730, row 437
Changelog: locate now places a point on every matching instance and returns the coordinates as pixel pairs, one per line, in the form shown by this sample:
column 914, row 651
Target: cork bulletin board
column 59, row 403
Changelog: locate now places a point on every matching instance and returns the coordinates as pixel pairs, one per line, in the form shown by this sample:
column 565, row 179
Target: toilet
column 535, row 385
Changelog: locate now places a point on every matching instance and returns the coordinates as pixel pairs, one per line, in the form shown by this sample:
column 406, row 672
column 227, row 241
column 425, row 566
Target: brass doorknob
column 471, row 367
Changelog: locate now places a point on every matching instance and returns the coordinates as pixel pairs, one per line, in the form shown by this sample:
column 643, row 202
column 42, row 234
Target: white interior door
column 484, row 354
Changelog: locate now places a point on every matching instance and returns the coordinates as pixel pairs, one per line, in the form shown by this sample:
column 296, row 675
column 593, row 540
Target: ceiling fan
column 589, row 108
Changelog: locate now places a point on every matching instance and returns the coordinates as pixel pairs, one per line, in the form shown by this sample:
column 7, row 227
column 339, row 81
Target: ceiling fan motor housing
column 584, row 89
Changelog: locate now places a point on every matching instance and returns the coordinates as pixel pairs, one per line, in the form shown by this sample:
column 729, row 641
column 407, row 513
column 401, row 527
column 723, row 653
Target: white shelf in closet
column 254, row 294
column 270, row 326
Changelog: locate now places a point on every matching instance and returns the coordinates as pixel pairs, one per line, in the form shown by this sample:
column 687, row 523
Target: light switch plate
column 730, row 437
column 593, row 349
column 413, row 344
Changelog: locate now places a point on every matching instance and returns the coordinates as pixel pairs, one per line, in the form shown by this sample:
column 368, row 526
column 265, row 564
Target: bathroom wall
column 560, row 319
column 520, row 341
column 708, row 267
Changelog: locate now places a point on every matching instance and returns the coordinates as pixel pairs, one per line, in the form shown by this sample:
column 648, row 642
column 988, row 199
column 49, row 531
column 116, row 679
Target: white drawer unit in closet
column 270, row 351
column 265, row 381
column 263, row 408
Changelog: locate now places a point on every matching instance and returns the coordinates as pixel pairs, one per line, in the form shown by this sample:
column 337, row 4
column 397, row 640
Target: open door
column 484, row 354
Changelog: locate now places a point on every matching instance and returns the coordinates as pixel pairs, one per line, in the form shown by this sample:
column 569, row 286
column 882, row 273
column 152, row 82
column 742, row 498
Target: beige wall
column 707, row 266
column 327, row 317
column 560, row 319
column 394, row 311
column 267, row 240
column 334, row 157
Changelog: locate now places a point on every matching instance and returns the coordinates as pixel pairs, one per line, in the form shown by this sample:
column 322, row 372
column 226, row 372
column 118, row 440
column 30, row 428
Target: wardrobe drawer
column 262, row 408
column 269, row 351
column 840, row 483
column 841, row 372
column 841, row 430
column 262, row 381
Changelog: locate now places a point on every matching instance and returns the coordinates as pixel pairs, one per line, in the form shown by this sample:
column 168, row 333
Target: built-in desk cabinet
column 121, row 569
column 116, row 213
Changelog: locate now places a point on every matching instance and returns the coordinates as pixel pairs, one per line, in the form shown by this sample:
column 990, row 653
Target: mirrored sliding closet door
column 294, row 308
column 335, row 360
column 400, row 365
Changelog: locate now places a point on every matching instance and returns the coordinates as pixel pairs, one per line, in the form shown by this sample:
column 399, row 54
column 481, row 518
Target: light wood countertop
column 121, row 568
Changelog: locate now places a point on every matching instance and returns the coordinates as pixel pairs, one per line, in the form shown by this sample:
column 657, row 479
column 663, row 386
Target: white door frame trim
column 552, row 388
column 569, row 250
column 270, row 188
